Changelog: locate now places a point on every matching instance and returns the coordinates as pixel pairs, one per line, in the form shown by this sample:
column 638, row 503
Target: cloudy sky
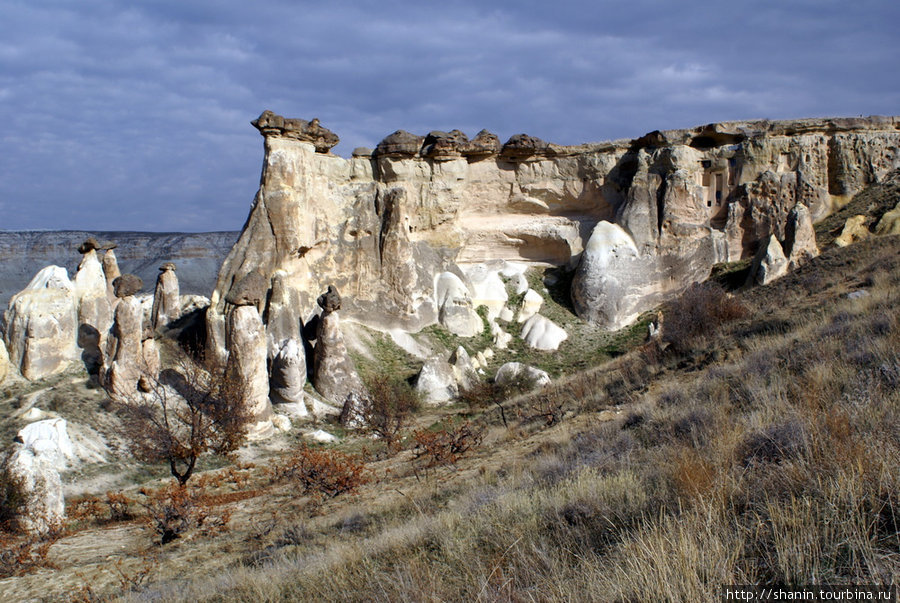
column 122, row 115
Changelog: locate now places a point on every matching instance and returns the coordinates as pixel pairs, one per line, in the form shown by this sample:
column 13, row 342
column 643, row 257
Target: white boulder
column 455, row 310
column 516, row 372
column 437, row 382
column 541, row 333
column 531, row 305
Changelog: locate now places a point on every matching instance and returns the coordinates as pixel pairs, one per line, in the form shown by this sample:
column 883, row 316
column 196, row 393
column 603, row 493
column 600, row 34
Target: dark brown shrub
column 446, row 445
column 325, row 473
column 698, row 312
column 391, row 405
column 177, row 509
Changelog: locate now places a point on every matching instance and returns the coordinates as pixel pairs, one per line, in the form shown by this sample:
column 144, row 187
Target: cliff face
column 383, row 225
column 198, row 256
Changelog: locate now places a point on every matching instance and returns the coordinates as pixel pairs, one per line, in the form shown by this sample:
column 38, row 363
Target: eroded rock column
column 166, row 297
column 94, row 310
column 124, row 348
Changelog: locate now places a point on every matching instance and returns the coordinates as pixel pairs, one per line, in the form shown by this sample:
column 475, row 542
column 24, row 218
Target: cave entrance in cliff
column 713, row 184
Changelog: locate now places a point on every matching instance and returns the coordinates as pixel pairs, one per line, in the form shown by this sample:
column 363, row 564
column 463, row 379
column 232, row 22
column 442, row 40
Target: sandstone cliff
column 383, row 224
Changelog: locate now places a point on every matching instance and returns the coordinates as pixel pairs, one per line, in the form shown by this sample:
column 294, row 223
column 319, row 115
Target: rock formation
column 769, row 264
column 513, row 373
column 111, row 272
column 437, row 383
column 334, row 375
column 124, row 345
column 94, row 310
column 542, row 333
column 246, row 345
column 640, row 219
column 43, row 506
column 4, row 361
column 166, row 297
column 41, row 325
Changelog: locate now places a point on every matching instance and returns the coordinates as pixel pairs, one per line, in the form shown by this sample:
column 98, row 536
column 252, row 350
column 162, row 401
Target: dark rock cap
column 484, row 144
column 167, row 266
column 249, row 290
column 330, row 301
column 444, row 145
column 89, row 245
column 127, row 284
column 523, row 145
column 400, row 144
column 272, row 124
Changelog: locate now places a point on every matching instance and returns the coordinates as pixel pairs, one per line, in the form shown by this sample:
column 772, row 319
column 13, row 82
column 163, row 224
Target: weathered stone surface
column 463, row 370
column 686, row 199
column 127, row 285
column 5, row 366
column 90, row 244
column 531, row 305
column 485, row 144
column 436, row 382
column 42, row 325
column 443, row 146
column 282, row 317
column 769, row 264
column 150, row 365
column 516, row 372
column 270, row 124
column 166, row 297
column 250, row 290
column 889, row 224
column 124, row 347
column 330, row 301
column 288, row 374
column 95, row 313
column 44, row 506
column 246, row 344
column 541, row 333
column 854, row 230
column 334, row 375
column 50, row 439
column 799, row 237
column 455, row 310
column 400, row 144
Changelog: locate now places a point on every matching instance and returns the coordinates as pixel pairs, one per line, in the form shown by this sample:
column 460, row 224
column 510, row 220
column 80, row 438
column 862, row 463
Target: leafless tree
column 187, row 411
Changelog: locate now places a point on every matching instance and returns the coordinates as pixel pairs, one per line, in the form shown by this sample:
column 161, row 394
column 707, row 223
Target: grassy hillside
column 760, row 443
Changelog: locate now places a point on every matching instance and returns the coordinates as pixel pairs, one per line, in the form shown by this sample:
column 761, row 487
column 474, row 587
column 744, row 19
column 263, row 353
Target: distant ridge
column 196, row 255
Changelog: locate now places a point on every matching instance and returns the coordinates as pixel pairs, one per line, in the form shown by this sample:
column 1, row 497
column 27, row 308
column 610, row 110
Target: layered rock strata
column 384, row 225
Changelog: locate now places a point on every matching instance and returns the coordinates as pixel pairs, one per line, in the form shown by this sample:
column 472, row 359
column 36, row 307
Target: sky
column 118, row 115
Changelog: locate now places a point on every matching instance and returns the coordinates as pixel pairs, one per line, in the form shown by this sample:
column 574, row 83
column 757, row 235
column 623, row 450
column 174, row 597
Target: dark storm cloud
column 135, row 115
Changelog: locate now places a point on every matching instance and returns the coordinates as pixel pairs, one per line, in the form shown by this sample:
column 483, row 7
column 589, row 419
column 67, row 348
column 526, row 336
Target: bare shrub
column 188, row 411
column 446, row 445
column 325, row 473
column 391, row 406
column 697, row 313
column 176, row 509
column 774, row 444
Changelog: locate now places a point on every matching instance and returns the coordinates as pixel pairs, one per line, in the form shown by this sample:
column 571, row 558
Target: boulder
column 542, row 333
column 499, row 337
column 513, row 373
column 769, row 263
column 463, row 369
column 250, row 290
column 485, row 144
column 520, row 146
column 127, row 285
column 42, row 325
column 488, row 289
column 50, row 438
column 889, row 224
column 455, row 310
column 399, row 144
column 271, row 124
column 854, row 230
column 531, row 305
column 166, row 298
column 436, row 382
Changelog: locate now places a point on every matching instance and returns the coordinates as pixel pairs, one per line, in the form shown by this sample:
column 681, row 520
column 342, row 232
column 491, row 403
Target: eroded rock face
column 42, row 325
column 334, row 375
column 246, row 344
column 44, row 506
column 4, row 361
column 289, row 374
column 769, row 264
column 95, row 314
column 800, row 237
column 686, row 199
column 124, row 345
column 437, row 383
column 166, row 297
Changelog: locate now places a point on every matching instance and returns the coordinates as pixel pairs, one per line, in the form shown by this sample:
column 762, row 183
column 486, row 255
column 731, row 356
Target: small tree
column 186, row 412
column 391, row 406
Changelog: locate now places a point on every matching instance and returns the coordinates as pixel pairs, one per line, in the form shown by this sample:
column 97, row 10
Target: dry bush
column 697, row 313
column 187, row 412
column 325, row 473
column 391, row 406
column 176, row 509
column 444, row 446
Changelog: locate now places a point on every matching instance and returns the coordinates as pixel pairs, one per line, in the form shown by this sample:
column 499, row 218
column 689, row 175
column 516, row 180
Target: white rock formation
column 111, row 272
column 437, row 383
column 166, row 298
column 334, row 376
column 488, row 288
column 500, row 337
column 854, row 230
column 49, row 438
column 95, row 314
column 463, row 369
column 541, row 333
column 769, row 263
column 531, row 305
column 516, row 372
column 246, row 345
column 4, row 361
column 125, row 349
column 799, row 238
column 288, row 373
column 455, row 309
column 41, row 325
column 44, row 506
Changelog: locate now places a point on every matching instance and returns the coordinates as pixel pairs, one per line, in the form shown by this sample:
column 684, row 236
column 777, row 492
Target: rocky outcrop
column 124, row 345
column 41, row 325
column 854, row 230
column 94, row 310
column 334, row 376
column 799, row 237
column 42, row 507
column 516, row 373
column 299, row 129
column 542, row 333
column 671, row 204
column 437, row 383
column 4, row 361
column 769, row 264
column 166, row 297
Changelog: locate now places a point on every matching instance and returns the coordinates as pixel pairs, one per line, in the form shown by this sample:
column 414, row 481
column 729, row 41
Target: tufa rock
column 769, row 263
column 455, row 310
column 520, row 146
column 485, row 144
column 437, row 382
column 542, row 333
column 249, row 291
column 289, row 375
column 800, row 237
column 334, row 375
column 90, row 244
column 4, row 361
column 42, row 508
column 124, row 347
column 516, row 373
column 166, row 298
column 854, row 230
column 444, row 146
column 245, row 340
column 330, row 301
column 889, row 224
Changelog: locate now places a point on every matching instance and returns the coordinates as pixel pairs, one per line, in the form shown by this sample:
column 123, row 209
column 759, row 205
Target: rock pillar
column 166, row 297
column 124, row 349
